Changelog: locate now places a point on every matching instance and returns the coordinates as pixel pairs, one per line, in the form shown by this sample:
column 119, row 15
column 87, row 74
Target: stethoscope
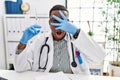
column 73, row 63
column 48, row 49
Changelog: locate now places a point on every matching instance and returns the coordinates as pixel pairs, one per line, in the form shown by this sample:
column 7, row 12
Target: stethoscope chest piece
column 74, row 64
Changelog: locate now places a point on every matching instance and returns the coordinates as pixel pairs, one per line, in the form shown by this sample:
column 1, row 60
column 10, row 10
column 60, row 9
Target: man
column 66, row 48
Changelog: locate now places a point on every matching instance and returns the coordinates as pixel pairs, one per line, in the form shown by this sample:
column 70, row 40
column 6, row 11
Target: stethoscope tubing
column 45, row 45
column 74, row 64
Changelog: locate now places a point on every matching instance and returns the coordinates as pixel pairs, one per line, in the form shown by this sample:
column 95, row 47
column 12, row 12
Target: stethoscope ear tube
column 47, row 45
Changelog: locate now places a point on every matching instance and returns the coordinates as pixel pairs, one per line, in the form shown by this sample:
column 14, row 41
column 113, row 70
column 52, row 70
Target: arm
column 24, row 60
column 21, row 46
column 90, row 48
column 84, row 43
column 27, row 35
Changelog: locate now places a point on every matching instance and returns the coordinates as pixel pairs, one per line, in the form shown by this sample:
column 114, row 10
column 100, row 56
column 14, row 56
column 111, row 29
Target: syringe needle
column 36, row 17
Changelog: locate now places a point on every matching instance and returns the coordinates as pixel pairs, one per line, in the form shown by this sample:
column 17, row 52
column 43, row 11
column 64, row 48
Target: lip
column 58, row 32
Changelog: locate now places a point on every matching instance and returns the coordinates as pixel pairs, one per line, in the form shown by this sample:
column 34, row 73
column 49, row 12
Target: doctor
column 66, row 48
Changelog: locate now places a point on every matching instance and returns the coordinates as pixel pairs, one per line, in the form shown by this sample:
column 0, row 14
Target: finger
column 38, row 31
column 58, row 28
column 56, row 24
column 35, row 30
column 31, row 30
column 62, row 15
column 57, row 18
column 36, row 26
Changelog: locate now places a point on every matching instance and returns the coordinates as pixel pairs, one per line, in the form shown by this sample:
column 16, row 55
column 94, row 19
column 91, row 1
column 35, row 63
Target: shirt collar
column 66, row 37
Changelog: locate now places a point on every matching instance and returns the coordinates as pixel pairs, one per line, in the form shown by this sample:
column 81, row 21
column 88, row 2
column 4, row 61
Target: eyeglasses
column 55, row 21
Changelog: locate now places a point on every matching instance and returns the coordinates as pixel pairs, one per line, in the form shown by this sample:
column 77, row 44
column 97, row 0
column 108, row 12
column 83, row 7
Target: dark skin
column 57, row 34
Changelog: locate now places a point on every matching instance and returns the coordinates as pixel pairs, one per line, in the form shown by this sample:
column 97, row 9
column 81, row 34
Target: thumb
column 37, row 31
column 58, row 28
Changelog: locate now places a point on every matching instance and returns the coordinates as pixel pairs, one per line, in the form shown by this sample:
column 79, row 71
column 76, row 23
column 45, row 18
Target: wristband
column 76, row 34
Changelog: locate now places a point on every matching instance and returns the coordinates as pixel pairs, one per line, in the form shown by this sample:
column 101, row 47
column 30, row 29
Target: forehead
column 56, row 12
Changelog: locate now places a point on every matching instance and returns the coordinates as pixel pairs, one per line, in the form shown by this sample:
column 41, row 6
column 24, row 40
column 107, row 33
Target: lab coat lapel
column 50, row 55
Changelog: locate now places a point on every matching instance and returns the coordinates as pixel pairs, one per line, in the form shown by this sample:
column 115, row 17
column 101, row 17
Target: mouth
column 58, row 32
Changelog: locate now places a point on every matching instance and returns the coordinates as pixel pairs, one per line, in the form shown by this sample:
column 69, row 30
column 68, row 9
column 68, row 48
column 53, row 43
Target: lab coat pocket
column 81, row 62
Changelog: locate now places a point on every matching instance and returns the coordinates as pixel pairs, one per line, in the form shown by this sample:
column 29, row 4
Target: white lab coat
column 91, row 53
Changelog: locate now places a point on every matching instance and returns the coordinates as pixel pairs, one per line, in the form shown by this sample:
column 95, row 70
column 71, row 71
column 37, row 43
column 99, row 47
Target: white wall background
column 42, row 7
column 2, row 51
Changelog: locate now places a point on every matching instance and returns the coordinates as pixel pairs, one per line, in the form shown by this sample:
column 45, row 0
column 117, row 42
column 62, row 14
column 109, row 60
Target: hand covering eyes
column 64, row 24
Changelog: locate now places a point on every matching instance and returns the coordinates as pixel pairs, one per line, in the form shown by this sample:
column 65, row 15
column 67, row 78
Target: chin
column 59, row 37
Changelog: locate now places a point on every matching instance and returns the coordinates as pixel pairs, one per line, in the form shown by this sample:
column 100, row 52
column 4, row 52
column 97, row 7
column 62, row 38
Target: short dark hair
column 58, row 7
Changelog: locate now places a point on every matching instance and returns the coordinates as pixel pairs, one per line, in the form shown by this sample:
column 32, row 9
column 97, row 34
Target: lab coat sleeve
column 93, row 52
column 23, row 61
